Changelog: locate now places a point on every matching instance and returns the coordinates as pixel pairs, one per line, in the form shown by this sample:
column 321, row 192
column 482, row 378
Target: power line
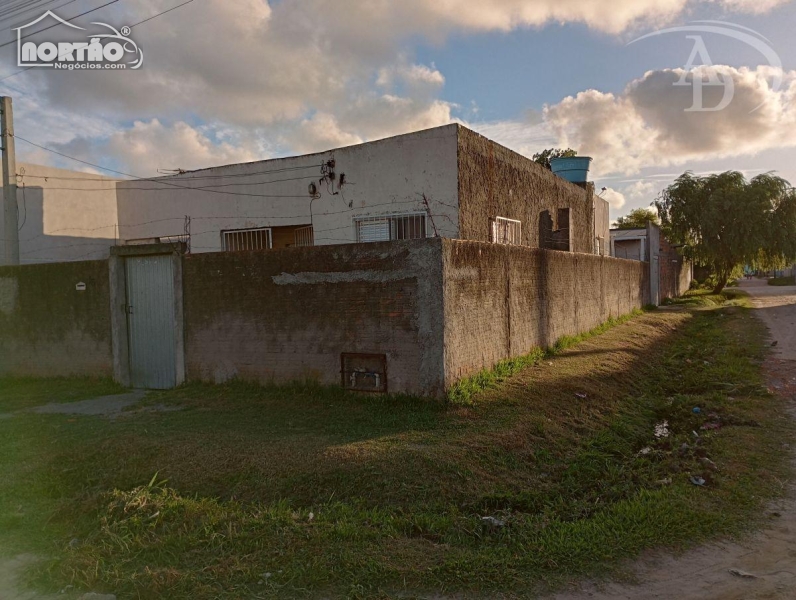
column 190, row 178
column 80, row 15
column 158, row 181
column 57, row 24
column 161, row 13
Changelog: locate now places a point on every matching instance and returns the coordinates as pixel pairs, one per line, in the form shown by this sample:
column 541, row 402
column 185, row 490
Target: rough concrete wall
column 495, row 181
column 288, row 314
column 503, row 301
column 47, row 327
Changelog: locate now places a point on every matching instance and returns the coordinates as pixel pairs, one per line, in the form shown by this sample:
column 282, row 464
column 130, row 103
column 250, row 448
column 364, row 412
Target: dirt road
column 770, row 555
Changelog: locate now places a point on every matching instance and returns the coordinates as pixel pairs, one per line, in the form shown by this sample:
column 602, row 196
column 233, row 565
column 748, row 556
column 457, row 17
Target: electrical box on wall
column 364, row 372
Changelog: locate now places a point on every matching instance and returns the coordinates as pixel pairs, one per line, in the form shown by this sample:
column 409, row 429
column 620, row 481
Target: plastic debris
column 644, row 451
column 742, row 574
column 696, row 410
column 662, row 429
column 696, row 480
column 581, row 395
column 493, row 522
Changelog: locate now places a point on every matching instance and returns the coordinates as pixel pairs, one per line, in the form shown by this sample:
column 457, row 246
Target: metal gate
column 150, row 321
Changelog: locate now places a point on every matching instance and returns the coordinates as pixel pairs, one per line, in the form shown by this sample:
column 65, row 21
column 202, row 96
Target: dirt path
column 770, row 555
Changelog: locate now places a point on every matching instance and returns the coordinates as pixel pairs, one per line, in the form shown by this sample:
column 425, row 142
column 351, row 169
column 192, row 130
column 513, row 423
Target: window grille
column 506, row 231
column 246, row 239
column 304, row 236
column 391, row 227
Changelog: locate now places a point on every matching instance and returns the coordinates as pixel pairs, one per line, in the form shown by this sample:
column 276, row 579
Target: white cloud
column 615, row 199
column 641, row 190
column 648, row 124
column 307, row 74
column 149, row 146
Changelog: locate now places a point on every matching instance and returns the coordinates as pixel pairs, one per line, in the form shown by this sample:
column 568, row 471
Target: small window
column 506, row 231
column 246, row 239
column 392, row 227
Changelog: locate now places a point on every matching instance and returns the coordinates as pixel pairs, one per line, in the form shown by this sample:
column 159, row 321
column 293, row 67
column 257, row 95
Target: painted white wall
column 384, row 177
column 64, row 215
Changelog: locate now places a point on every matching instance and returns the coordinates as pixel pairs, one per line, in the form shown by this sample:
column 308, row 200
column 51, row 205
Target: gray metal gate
column 150, row 321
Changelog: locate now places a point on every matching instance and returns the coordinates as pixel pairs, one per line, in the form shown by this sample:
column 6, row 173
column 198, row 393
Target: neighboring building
column 670, row 273
column 629, row 243
column 444, row 182
column 64, row 215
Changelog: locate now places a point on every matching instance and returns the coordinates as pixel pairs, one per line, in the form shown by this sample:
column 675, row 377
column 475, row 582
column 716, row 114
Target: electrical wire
column 160, row 182
column 57, row 24
column 192, row 178
column 161, row 13
column 80, row 15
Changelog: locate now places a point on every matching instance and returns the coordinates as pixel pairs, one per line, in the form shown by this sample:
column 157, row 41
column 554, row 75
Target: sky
column 227, row 81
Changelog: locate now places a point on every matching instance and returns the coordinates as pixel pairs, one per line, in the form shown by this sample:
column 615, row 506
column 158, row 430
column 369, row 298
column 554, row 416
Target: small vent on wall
column 364, row 372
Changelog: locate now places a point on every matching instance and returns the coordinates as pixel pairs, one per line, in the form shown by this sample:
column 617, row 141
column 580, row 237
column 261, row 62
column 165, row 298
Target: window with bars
column 246, row 239
column 408, row 226
column 304, row 236
column 506, row 231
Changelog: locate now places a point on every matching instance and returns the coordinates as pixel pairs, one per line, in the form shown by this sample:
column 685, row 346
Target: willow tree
column 724, row 221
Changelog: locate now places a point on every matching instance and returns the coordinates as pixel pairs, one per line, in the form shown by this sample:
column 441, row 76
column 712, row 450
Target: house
column 670, row 273
column 447, row 182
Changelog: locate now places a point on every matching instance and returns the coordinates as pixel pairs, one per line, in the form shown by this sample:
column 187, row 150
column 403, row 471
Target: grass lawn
column 25, row 392
column 311, row 492
column 782, row 281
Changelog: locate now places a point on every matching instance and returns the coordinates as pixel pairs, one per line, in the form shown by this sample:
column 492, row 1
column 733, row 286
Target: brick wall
column 503, row 301
column 288, row 314
column 47, row 327
column 497, row 182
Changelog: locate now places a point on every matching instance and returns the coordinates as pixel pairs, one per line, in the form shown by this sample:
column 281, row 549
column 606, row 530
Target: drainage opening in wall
column 364, row 372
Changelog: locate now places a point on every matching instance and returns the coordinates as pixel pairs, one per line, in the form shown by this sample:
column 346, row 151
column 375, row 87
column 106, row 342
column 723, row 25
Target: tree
column 724, row 221
column 543, row 157
column 637, row 219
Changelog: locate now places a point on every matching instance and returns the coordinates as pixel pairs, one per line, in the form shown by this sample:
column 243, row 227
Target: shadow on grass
column 335, row 494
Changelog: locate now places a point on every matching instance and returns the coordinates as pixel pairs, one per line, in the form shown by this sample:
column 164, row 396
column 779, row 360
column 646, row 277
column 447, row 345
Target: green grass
column 306, row 491
column 468, row 387
column 706, row 298
column 18, row 393
column 782, row 281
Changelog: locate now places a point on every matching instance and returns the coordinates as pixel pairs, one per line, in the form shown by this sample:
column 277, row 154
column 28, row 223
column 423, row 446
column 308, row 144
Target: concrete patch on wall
column 288, row 314
column 9, row 292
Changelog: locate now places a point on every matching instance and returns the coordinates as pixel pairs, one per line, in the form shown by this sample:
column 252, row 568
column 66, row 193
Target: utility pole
column 9, row 166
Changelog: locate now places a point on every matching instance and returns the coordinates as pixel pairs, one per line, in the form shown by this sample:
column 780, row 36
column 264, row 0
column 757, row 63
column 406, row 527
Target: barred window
column 304, row 236
column 391, row 227
column 246, row 239
column 506, row 231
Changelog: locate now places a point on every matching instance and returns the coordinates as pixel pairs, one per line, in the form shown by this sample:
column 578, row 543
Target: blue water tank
column 573, row 168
